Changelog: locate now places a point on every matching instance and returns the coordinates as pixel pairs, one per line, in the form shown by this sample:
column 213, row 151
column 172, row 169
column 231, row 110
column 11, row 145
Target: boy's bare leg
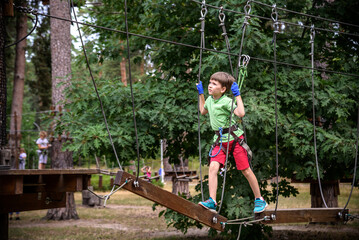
column 213, row 179
column 252, row 180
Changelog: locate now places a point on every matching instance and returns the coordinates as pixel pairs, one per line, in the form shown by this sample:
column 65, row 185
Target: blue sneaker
column 209, row 204
column 259, row 205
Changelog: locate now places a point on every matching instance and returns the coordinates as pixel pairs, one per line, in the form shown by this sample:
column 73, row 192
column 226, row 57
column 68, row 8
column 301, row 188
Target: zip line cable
column 307, row 15
column 95, row 86
column 312, row 36
column 186, row 45
column 288, row 23
column 132, row 98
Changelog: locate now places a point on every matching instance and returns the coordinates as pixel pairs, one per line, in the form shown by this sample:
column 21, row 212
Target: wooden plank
column 48, row 171
column 10, row 185
column 169, row 200
column 32, row 201
column 302, row 215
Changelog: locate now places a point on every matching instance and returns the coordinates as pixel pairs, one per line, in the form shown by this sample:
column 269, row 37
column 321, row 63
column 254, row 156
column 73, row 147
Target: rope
column 245, row 23
column 95, row 86
column 312, row 36
column 308, row 15
column 35, row 25
column 355, row 164
column 283, row 22
column 188, row 45
column 133, row 101
column 276, row 27
column 203, row 15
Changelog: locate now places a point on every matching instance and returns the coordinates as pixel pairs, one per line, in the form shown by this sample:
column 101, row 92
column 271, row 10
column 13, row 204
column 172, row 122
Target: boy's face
column 215, row 88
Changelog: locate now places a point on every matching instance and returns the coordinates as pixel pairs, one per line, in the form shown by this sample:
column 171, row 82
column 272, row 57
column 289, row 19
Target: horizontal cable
column 307, row 15
column 288, row 23
column 196, row 47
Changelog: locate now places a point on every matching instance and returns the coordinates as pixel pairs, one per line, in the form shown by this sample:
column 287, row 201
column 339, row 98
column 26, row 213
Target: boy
column 219, row 106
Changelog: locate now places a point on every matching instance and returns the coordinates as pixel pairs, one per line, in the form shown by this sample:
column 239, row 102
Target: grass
column 128, row 216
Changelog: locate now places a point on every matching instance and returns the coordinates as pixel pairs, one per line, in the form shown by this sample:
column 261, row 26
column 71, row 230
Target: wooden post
column 100, row 181
column 4, row 226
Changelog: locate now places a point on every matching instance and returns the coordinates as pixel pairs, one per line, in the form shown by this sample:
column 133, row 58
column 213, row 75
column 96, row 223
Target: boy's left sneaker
column 209, row 204
column 259, row 205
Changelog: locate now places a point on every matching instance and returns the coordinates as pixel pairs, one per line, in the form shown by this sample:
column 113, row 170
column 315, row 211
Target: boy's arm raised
column 201, row 98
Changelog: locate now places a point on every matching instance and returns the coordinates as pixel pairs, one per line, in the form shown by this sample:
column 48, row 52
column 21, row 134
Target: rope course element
column 107, row 196
column 355, row 165
column 312, row 36
column 95, row 86
column 283, row 22
column 34, row 12
column 274, row 17
column 189, row 45
column 222, row 18
column 307, row 15
column 132, row 98
column 202, row 45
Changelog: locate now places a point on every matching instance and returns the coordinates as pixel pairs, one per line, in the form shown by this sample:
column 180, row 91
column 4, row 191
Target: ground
column 128, row 216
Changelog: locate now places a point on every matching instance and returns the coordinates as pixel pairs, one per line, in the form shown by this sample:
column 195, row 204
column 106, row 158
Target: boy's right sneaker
column 209, row 204
column 259, row 205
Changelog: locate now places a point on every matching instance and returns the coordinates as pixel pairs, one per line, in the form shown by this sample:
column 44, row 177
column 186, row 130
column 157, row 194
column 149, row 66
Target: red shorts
column 239, row 154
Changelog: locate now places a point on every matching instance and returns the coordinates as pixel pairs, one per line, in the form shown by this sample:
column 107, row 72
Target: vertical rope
column 312, row 36
column 275, row 24
column 355, row 164
column 95, row 86
column 245, row 23
column 132, row 98
column 203, row 15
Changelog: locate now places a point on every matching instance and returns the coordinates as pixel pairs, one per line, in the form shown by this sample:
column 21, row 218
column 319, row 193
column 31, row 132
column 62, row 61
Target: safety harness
column 238, row 140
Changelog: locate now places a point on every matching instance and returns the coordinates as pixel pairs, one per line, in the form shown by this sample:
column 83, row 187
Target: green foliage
column 166, row 99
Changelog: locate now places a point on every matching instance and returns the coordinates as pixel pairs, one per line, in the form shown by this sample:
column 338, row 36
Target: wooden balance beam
column 298, row 215
column 170, row 200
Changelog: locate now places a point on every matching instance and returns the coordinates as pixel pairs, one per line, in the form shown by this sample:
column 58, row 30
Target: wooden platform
column 33, row 189
column 170, row 200
column 298, row 215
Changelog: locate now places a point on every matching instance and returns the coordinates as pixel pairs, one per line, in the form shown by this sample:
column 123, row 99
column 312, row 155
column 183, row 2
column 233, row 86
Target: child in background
column 43, row 145
column 22, row 158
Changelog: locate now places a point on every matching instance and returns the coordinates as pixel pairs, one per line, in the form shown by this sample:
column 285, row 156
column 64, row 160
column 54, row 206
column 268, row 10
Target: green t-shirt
column 219, row 115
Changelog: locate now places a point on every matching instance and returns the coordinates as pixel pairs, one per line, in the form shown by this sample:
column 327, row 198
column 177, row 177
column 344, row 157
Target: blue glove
column 200, row 88
column 235, row 89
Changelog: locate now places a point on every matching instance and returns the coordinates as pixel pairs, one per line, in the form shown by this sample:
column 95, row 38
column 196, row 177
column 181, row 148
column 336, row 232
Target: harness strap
column 241, row 142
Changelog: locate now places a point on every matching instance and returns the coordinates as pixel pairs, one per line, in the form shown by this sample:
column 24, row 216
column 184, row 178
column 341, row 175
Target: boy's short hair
column 43, row 133
column 225, row 79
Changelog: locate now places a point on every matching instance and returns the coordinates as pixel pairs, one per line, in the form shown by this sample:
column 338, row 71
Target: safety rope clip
column 221, row 15
column 247, row 9
column 203, row 10
column 215, row 220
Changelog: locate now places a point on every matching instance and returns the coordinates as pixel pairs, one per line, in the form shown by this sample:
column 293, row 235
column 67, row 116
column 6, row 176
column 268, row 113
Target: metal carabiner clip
column 221, row 15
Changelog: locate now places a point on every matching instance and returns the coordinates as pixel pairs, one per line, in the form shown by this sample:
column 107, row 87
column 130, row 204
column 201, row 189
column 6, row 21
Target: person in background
column 43, row 145
column 22, row 158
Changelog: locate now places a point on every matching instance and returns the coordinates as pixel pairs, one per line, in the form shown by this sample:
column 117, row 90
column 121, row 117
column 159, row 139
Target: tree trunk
column 18, row 88
column 123, row 71
column 61, row 73
column 181, row 186
column 3, row 96
column 330, row 193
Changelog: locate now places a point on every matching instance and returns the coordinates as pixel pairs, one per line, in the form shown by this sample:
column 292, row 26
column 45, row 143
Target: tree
column 61, row 75
column 166, row 100
column 18, row 86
